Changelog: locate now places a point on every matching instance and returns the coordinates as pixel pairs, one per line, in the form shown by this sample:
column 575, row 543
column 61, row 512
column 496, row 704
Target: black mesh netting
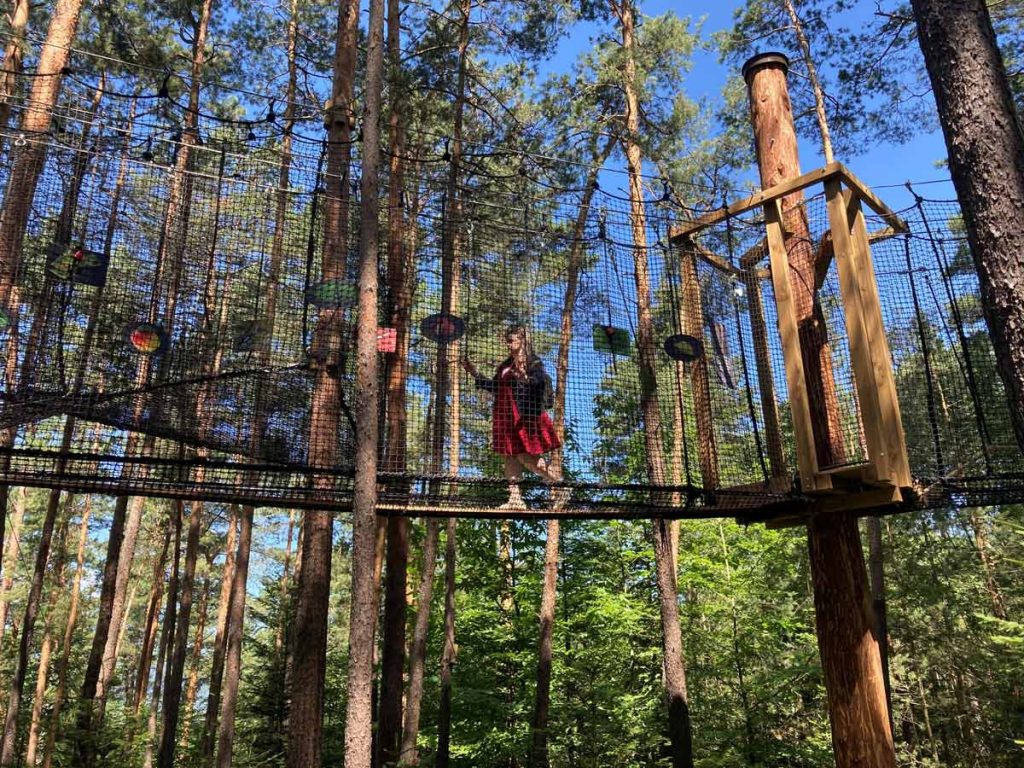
column 166, row 335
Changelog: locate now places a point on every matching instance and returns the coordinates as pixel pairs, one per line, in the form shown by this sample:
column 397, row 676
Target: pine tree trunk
column 310, row 623
column 986, row 161
column 49, row 641
column 118, row 613
column 166, row 285
column 151, row 625
column 166, row 633
column 23, row 178
column 674, row 667
column 233, row 645
column 176, row 669
column 40, row 696
column 14, row 55
column 359, row 711
column 876, row 575
column 389, row 732
column 12, row 555
column 778, row 161
column 539, row 724
column 61, row 670
column 8, row 753
column 213, row 699
column 418, row 648
column 448, row 652
column 194, row 664
column 283, row 591
column 812, row 75
column 849, row 649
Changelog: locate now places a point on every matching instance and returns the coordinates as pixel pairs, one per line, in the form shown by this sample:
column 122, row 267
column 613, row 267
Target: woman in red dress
column 522, row 431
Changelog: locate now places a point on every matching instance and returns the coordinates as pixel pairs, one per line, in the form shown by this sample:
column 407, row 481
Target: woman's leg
column 513, row 473
column 539, row 465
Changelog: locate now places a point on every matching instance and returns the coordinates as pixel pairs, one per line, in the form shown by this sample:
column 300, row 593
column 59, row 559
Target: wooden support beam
column 874, row 202
column 820, row 175
column 799, row 402
column 894, row 442
column 758, row 198
column 850, row 278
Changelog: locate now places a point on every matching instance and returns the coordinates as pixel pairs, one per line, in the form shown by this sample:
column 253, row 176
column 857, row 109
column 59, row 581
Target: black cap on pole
column 765, row 59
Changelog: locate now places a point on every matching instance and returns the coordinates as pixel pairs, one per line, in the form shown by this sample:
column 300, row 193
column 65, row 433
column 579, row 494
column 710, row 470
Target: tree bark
column 359, row 712
column 151, row 625
column 61, row 671
column 778, row 160
column 235, row 633
column 539, row 724
column 176, row 669
column 194, row 663
column 305, row 718
column 126, row 557
column 399, row 295
column 812, row 75
column 542, row 700
column 219, row 641
column 25, row 169
column 8, row 753
column 418, row 648
column 849, row 649
column 45, row 652
column 12, row 555
column 49, row 641
column 14, row 56
column 672, row 646
column 986, row 161
column 448, row 652
column 880, row 613
column 166, row 635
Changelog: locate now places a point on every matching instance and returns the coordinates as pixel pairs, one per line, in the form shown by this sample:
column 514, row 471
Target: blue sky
column 883, row 166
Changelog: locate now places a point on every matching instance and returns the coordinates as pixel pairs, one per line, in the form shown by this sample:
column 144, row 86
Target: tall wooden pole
column 861, row 735
column 778, row 160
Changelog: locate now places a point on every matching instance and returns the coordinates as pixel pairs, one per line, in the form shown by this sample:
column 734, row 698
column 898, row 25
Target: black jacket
column 528, row 393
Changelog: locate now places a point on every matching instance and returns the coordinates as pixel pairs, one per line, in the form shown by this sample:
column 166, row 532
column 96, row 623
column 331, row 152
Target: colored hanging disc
column 443, row 328
column 684, row 348
column 146, row 338
column 387, row 339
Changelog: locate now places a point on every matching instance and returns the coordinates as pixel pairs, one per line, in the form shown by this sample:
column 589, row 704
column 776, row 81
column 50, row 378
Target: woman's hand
column 470, row 368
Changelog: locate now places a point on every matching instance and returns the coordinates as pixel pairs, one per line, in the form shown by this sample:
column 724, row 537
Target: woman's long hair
column 526, row 348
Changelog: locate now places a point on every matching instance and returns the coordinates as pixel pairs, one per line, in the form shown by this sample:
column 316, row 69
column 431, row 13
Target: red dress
column 514, row 434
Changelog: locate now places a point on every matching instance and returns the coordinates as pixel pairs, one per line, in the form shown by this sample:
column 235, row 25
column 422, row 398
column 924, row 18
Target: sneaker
column 515, row 502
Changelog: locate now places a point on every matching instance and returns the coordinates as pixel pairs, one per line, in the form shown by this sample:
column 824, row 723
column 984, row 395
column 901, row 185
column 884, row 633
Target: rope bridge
column 162, row 339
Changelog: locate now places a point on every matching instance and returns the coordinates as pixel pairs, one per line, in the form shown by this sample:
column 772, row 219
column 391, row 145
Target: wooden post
column 692, row 322
column 850, row 279
column 894, row 440
column 861, row 735
column 779, row 161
